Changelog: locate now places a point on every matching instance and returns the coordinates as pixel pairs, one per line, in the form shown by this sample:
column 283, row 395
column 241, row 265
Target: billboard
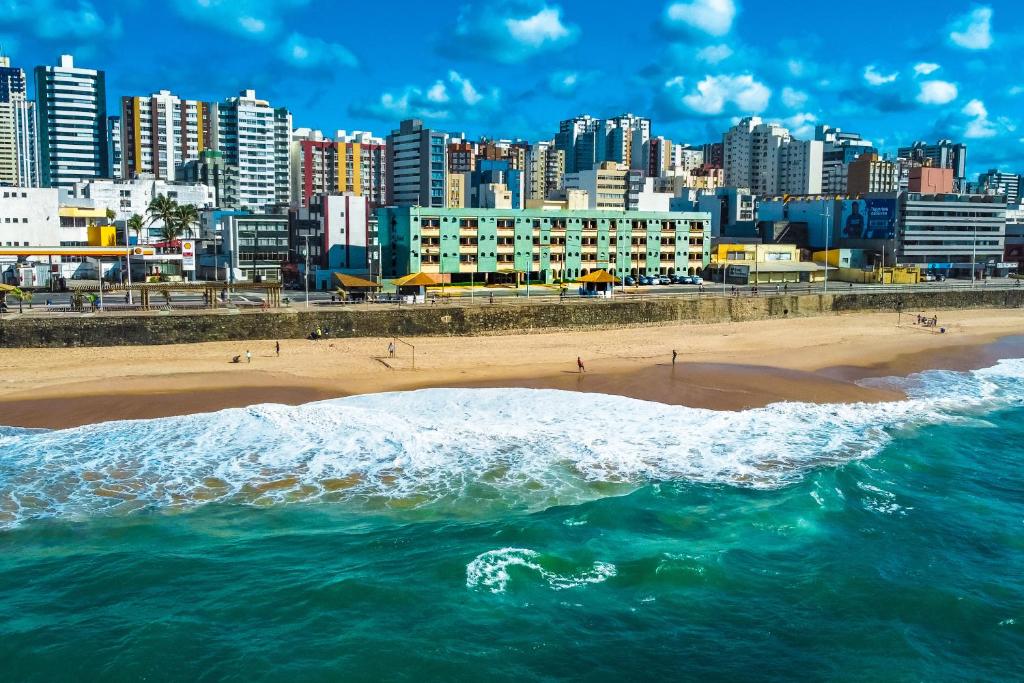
column 868, row 219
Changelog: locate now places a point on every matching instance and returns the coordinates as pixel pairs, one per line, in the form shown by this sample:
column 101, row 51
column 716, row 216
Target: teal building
column 501, row 244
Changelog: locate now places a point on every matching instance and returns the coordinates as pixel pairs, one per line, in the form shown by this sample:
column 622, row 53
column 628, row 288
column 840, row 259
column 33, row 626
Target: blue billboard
column 868, row 219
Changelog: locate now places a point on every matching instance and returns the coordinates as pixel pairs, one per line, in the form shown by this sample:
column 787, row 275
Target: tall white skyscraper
column 764, row 158
column 253, row 137
column 161, row 132
column 71, row 111
column 19, row 163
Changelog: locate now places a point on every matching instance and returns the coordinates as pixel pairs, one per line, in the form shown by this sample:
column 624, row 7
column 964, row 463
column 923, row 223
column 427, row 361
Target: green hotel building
column 544, row 245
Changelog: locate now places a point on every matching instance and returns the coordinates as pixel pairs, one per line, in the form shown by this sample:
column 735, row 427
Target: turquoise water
column 457, row 534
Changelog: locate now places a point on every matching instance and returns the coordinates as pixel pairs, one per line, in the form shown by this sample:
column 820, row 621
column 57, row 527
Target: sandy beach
column 726, row 366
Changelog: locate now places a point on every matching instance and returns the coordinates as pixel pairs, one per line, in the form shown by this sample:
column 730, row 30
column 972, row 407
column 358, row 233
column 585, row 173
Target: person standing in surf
column 579, row 364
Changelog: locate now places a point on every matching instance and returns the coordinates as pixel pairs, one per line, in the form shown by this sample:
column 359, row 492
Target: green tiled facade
column 548, row 245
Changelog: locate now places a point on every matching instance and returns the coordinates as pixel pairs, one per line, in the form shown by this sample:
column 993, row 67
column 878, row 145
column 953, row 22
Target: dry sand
column 725, row 366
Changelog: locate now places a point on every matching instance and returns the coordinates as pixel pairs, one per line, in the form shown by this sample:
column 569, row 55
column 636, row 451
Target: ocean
column 514, row 534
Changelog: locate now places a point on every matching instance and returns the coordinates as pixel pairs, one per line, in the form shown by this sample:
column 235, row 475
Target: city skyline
column 514, row 69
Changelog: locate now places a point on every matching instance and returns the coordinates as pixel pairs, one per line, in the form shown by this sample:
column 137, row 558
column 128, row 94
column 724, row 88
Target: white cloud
column 258, row 19
column 307, row 52
column 713, row 54
column 454, row 98
column 57, row 19
column 794, row 99
column 544, row 26
column 801, row 125
column 874, row 77
column 937, row 92
column 713, row 17
column 569, row 82
column 1015, row 90
column 714, row 94
column 508, row 31
column 973, row 31
column 925, row 68
column 979, row 127
column 796, row 67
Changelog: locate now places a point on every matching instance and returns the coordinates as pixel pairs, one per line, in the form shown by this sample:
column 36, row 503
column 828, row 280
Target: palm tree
column 111, row 215
column 164, row 209
column 170, row 232
column 135, row 224
column 186, row 216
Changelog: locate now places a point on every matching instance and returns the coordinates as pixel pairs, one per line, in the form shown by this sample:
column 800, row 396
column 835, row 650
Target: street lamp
column 306, row 274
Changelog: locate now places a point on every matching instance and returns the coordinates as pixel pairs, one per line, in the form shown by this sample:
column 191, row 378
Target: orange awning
column 353, row 282
column 415, row 280
column 599, row 276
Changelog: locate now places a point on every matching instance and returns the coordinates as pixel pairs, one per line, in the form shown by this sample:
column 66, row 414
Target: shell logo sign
column 188, row 255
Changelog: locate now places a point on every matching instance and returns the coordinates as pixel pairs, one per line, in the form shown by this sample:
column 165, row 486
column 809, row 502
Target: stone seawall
column 454, row 320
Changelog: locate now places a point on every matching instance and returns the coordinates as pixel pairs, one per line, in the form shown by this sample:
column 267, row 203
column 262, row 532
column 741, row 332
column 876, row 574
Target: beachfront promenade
column 477, row 315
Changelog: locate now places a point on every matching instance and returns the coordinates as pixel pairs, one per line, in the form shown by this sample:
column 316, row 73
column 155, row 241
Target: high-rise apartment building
column 461, row 157
column 114, row 147
column 577, row 139
column 659, row 156
column 355, row 164
column 1007, row 184
column 764, row 158
column 839, row 149
column 161, row 132
column 19, row 159
column 626, row 139
column 253, row 137
column 870, row 173
column 71, row 112
column 417, row 165
column 545, row 170
column 943, row 154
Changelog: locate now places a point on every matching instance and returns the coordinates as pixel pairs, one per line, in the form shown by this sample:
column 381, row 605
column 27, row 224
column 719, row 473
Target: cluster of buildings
column 277, row 201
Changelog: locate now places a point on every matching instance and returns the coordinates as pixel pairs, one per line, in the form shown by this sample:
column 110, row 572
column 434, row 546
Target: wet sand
column 727, row 366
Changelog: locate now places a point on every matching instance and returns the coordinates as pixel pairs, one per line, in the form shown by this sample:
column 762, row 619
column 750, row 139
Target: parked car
column 630, row 281
column 665, row 280
column 928, row 277
column 644, row 280
column 696, row 280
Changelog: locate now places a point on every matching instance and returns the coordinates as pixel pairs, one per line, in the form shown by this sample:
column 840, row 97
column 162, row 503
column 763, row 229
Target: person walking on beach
column 248, row 356
column 579, row 364
column 674, row 354
column 277, row 348
column 391, row 349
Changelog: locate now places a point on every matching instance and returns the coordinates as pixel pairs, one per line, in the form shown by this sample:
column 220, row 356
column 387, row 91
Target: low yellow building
column 762, row 264
column 92, row 223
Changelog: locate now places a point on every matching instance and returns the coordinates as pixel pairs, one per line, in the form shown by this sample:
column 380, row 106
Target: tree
column 165, row 210
column 135, row 224
column 111, row 215
column 186, row 216
column 170, row 232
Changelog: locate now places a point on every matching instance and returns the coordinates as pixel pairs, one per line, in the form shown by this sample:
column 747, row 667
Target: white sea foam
column 490, row 571
column 471, row 447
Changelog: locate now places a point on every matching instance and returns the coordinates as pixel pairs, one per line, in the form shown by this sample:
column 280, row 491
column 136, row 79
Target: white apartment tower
column 71, row 112
column 545, row 169
column 764, row 158
column 253, row 137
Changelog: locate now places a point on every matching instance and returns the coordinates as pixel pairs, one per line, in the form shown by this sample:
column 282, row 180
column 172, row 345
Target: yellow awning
column 415, row 280
column 353, row 282
column 599, row 276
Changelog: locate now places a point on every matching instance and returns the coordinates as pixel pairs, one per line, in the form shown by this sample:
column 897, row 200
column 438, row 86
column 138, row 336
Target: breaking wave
column 460, row 451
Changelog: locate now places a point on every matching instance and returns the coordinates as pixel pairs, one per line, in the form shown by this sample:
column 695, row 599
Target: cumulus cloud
column 57, row 20
column 925, row 68
column 979, row 126
column 794, row 99
column 715, row 94
column 713, row 17
column 1015, row 90
column 307, row 52
column 713, row 54
column 874, row 77
column 801, row 125
column 509, row 31
column 260, row 19
column 973, row 31
column 453, row 98
column 937, row 92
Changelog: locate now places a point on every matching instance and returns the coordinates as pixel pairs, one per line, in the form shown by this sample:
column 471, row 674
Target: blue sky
column 893, row 71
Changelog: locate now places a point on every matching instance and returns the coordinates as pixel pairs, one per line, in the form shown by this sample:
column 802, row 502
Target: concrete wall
column 464, row 321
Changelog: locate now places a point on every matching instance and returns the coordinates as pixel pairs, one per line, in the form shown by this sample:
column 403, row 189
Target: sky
column 894, row 71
